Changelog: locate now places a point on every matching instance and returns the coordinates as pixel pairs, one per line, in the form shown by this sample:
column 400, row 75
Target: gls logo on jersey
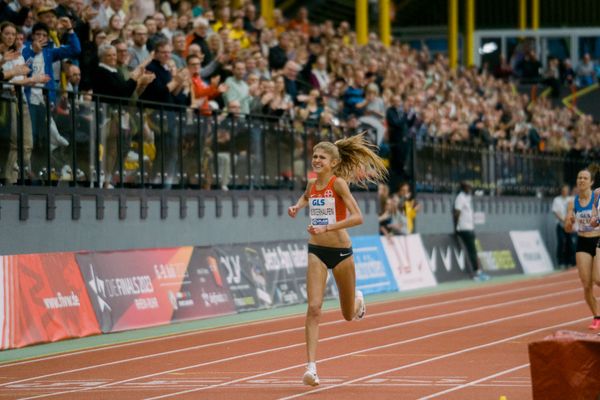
column 317, row 202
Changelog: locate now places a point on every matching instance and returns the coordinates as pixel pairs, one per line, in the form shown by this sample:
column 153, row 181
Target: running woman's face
column 584, row 180
column 322, row 161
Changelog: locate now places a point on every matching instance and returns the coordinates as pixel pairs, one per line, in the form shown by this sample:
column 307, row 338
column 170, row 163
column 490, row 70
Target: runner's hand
column 292, row 211
column 316, row 229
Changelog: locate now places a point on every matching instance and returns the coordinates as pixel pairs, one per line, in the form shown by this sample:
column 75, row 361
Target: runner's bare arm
column 355, row 218
column 570, row 219
column 302, row 201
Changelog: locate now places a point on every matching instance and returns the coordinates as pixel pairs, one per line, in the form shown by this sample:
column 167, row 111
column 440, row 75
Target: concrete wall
column 40, row 220
column 501, row 214
column 179, row 219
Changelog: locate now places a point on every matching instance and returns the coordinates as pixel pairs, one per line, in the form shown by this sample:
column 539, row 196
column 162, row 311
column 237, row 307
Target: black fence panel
column 107, row 142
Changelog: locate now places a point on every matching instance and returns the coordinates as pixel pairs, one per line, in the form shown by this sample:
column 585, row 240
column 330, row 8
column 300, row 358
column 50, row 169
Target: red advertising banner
column 43, row 299
column 206, row 293
column 140, row 288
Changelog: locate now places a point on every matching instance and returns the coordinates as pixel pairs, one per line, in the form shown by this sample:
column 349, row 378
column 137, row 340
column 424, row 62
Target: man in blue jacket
column 39, row 54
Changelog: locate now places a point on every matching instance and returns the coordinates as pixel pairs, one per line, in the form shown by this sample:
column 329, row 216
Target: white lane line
column 381, row 328
column 475, row 382
column 369, row 349
column 262, row 335
column 144, row 342
column 426, row 361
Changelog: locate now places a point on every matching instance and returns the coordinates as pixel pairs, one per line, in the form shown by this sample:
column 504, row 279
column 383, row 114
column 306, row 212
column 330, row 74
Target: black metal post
column 20, row 136
column 48, row 148
column 162, row 147
column 119, row 143
column 180, row 145
column 73, row 142
column 141, row 146
column 97, row 140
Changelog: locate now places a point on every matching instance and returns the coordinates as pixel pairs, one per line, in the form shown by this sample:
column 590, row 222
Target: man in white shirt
column 565, row 251
column 465, row 227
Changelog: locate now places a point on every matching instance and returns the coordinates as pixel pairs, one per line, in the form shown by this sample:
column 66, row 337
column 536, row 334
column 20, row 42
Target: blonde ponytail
column 359, row 164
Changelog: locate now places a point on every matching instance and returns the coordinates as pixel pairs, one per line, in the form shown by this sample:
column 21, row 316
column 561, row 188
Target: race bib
column 322, row 211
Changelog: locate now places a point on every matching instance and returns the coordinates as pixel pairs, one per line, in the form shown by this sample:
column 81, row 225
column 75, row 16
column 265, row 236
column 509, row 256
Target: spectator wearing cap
column 41, row 54
column 48, row 16
column 199, row 36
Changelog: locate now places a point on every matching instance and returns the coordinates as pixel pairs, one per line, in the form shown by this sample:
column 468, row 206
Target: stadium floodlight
column 488, row 48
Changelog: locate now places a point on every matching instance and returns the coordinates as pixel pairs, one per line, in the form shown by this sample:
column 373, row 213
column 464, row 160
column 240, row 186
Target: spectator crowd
column 217, row 59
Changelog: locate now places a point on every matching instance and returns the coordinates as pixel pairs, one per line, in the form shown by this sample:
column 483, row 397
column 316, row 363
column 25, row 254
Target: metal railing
column 440, row 167
column 117, row 142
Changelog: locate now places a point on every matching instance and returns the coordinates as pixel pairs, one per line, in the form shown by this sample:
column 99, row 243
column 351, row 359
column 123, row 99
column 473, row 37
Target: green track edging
column 69, row 345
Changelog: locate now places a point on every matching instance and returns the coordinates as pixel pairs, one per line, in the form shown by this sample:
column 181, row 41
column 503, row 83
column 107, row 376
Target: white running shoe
column 362, row 307
column 310, row 378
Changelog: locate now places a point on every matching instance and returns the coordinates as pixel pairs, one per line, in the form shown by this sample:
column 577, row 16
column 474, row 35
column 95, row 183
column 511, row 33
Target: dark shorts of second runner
column 587, row 245
column 330, row 256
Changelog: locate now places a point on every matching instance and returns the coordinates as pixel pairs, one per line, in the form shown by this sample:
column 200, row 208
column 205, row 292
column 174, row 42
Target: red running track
column 467, row 344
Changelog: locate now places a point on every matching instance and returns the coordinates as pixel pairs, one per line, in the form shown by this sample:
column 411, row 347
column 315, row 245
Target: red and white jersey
column 326, row 206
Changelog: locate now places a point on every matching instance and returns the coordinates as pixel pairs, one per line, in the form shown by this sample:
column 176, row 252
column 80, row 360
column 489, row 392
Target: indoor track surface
column 459, row 344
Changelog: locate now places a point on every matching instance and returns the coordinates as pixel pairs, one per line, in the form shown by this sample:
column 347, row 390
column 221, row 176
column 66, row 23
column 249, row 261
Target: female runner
column 347, row 161
column 581, row 213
